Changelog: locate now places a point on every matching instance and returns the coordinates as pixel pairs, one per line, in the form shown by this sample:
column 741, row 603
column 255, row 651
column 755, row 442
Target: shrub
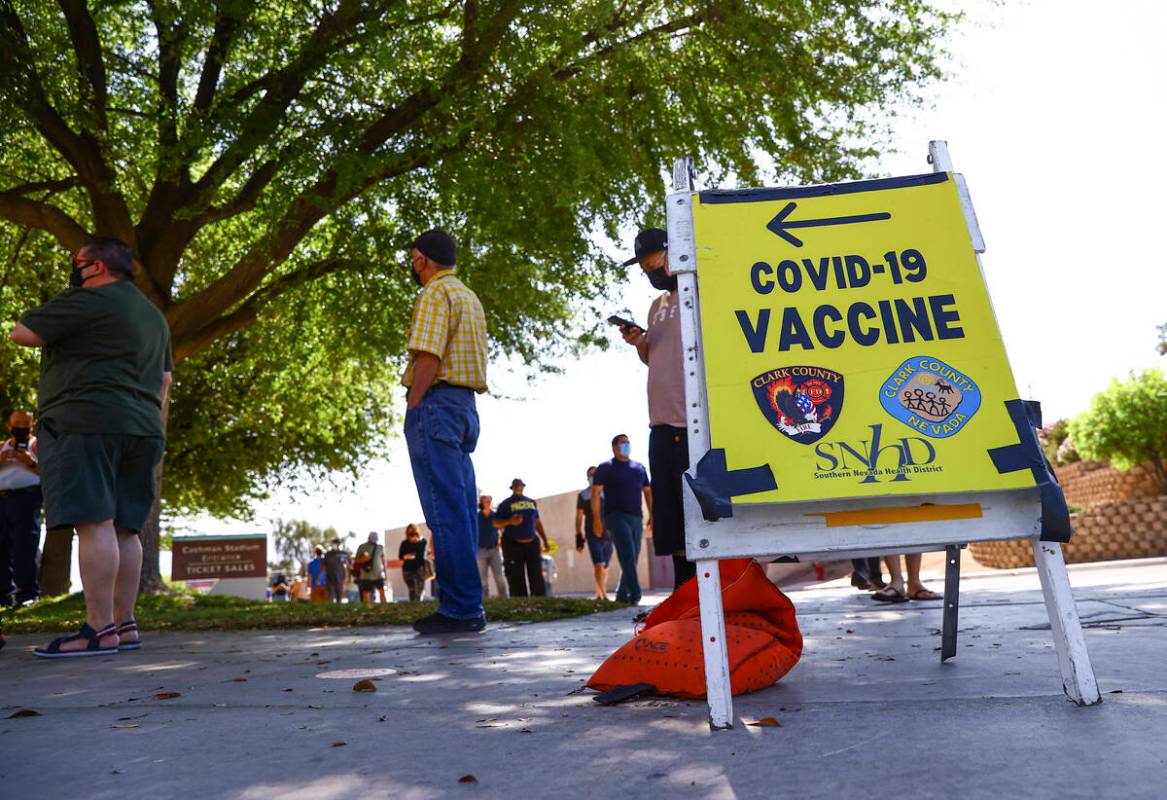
column 1051, row 437
column 1127, row 425
column 1067, row 453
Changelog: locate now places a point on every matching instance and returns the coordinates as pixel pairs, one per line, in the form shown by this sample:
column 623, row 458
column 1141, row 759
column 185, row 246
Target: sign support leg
column 713, row 644
column 951, row 601
column 1074, row 661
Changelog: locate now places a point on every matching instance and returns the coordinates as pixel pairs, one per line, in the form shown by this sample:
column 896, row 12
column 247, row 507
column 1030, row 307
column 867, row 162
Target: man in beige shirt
column 668, row 442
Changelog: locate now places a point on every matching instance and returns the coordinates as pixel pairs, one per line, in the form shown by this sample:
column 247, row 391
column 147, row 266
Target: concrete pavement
column 868, row 712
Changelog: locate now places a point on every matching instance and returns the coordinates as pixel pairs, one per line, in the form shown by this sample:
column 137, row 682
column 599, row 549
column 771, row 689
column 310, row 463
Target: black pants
column 523, row 564
column 414, row 582
column 20, row 538
column 868, row 568
column 668, row 458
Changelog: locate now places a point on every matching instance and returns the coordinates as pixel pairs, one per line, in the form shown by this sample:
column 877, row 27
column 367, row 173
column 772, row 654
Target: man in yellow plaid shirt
column 447, row 367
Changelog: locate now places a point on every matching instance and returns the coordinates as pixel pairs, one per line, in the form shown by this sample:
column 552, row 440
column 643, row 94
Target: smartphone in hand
column 624, row 324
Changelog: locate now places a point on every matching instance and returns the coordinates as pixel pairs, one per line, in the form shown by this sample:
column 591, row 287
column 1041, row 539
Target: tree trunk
column 56, row 562
column 151, row 581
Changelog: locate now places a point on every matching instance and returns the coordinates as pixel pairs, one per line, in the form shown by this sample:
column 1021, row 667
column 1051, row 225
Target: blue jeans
column 626, row 531
column 441, row 434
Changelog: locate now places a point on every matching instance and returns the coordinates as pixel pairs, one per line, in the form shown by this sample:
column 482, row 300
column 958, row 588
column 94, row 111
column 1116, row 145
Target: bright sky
column 1045, row 113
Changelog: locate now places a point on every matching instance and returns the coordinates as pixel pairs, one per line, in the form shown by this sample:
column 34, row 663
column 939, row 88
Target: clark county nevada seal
column 930, row 396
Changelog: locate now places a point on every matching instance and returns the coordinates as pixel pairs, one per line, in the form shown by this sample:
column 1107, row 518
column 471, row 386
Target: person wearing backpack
column 371, row 558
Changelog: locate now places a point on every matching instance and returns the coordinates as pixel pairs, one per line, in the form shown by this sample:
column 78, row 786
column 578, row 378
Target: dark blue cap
column 648, row 241
column 437, row 246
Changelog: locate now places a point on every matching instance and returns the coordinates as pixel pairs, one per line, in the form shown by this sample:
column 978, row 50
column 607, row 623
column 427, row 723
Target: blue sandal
column 126, row 628
column 93, row 637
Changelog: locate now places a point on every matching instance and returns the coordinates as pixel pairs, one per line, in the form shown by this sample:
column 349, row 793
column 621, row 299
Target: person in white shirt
column 20, row 512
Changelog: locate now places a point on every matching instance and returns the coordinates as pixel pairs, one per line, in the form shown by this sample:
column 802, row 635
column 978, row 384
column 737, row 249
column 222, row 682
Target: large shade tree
column 268, row 161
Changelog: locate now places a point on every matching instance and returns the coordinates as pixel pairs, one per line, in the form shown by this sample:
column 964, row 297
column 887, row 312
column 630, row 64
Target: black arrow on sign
column 715, row 485
column 780, row 224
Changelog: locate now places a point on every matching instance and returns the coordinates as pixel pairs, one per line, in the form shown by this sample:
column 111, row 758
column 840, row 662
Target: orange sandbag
column 763, row 639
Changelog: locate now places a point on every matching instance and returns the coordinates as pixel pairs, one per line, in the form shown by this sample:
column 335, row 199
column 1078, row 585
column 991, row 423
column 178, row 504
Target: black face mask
column 75, row 279
column 20, row 435
column 662, row 280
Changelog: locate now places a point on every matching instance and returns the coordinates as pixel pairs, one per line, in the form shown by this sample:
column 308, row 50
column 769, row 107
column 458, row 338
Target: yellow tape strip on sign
column 892, row 516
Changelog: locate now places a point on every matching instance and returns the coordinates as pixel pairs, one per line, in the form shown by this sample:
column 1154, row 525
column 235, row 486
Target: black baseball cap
column 437, row 246
column 647, row 242
column 519, row 481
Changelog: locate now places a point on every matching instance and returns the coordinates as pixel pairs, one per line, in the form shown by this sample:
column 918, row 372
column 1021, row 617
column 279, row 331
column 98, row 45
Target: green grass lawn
column 199, row 612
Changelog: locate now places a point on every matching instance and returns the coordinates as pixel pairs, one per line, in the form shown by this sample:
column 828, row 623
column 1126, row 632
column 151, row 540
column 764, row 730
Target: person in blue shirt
column 489, row 548
column 317, row 579
column 622, row 482
column 518, row 519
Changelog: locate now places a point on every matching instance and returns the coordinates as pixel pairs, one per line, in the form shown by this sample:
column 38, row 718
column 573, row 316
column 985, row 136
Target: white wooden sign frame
column 785, row 529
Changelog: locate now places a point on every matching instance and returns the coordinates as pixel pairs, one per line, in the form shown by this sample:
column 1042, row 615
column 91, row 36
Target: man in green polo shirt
column 105, row 375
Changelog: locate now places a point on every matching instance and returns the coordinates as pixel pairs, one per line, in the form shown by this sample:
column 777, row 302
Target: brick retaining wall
column 1124, row 517
column 1091, row 483
column 1108, row 532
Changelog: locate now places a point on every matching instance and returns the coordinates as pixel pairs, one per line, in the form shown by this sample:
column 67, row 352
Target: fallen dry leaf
column 125, row 725
column 312, row 705
column 25, row 712
column 766, row 722
column 236, row 680
column 468, row 779
column 136, row 716
column 364, row 685
column 339, row 744
column 288, row 690
column 383, row 717
column 167, row 695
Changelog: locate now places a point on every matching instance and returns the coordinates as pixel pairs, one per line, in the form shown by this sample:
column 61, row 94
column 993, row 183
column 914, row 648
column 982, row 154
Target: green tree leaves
column 1127, row 425
column 294, row 541
column 269, row 161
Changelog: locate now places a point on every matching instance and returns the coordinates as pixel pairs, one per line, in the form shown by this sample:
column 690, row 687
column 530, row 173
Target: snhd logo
column 873, row 460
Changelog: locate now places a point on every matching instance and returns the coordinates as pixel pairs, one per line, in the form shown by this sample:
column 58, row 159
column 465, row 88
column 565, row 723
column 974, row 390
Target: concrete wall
column 574, row 569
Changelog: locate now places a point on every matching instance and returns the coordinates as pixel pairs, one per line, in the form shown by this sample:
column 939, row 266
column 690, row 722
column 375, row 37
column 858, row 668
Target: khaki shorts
column 92, row 477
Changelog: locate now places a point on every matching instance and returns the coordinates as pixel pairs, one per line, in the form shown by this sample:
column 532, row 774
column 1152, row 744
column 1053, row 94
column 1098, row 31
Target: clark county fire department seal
column 803, row 403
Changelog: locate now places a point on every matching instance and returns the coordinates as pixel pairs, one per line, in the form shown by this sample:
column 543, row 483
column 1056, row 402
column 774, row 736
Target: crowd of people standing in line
column 519, row 570
column 106, row 363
